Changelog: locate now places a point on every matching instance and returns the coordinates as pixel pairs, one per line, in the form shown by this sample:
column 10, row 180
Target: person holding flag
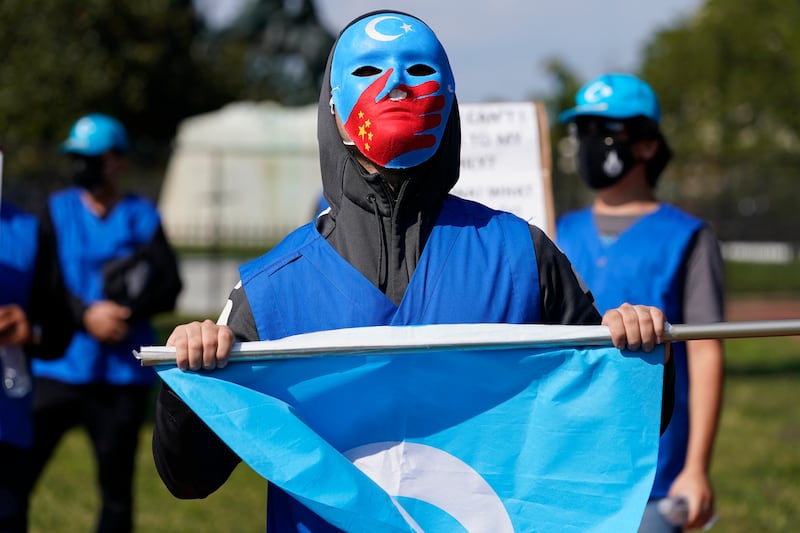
column 34, row 322
column 395, row 248
column 630, row 246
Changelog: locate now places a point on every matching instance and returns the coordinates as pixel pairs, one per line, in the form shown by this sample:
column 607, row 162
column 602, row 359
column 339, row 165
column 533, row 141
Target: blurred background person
column 34, row 321
column 628, row 246
column 119, row 271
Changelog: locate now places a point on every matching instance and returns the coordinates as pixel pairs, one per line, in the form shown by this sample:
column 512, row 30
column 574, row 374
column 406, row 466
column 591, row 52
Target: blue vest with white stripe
column 478, row 265
column 18, row 249
column 644, row 265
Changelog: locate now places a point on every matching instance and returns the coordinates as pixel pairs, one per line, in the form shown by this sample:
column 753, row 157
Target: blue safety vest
column 86, row 243
column 478, row 265
column 18, row 249
column 645, row 264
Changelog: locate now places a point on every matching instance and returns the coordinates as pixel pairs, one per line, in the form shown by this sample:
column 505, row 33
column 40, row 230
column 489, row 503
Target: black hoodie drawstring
column 382, row 270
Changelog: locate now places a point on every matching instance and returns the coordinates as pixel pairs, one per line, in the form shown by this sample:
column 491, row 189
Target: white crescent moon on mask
column 373, row 32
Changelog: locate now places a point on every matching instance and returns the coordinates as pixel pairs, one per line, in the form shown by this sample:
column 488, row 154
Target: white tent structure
column 245, row 175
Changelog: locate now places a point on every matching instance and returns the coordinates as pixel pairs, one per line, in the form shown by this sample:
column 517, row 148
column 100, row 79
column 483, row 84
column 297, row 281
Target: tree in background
column 729, row 80
column 283, row 48
column 126, row 58
column 149, row 63
column 568, row 189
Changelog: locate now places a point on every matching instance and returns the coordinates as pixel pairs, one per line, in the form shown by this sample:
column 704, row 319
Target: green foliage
column 728, row 80
column 738, row 78
column 130, row 59
column 284, row 48
column 150, row 63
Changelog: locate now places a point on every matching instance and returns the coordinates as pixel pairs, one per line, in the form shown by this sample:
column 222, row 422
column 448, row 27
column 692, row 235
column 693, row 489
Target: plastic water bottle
column 675, row 510
column 16, row 378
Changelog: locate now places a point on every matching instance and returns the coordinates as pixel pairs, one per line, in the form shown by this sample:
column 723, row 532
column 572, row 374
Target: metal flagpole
column 393, row 339
column 733, row 330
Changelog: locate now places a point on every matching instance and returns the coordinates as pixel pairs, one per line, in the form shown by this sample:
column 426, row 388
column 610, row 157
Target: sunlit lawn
column 756, row 467
column 66, row 498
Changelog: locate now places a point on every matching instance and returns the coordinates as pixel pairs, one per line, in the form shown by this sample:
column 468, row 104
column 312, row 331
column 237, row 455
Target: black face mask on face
column 87, row 172
column 603, row 160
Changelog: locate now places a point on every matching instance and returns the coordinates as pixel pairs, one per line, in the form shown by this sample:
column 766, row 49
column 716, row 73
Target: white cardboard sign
column 505, row 160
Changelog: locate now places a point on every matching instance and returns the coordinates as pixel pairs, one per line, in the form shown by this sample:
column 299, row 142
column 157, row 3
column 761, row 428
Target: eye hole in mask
column 421, row 70
column 366, row 71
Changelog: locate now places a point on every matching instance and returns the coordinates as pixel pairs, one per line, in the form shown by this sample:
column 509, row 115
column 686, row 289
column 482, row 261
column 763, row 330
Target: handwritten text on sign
column 501, row 163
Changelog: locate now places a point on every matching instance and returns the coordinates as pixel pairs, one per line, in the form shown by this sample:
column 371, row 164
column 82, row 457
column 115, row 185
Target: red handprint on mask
column 392, row 126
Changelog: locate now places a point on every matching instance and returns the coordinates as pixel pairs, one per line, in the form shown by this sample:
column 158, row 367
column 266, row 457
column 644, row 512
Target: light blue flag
column 490, row 439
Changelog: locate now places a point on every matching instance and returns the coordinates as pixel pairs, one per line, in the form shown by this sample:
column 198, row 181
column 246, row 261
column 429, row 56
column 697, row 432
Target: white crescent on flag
column 436, row 477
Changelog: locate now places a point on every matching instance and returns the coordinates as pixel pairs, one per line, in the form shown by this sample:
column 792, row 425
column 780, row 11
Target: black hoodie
column 381, row 232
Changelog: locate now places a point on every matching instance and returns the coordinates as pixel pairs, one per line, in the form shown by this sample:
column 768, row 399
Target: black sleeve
column 668, row 394
column 566, row 300
column 240, row 319
column 190, row 459
column 49, row 308
column 165, row 283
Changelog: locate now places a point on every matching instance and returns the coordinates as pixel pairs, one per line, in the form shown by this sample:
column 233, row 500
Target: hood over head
column 394, row 92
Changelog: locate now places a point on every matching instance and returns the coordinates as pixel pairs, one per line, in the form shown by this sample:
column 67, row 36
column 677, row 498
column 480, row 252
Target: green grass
column 755, row 471
column 66, row 498
column 749, row 278
column 756, row 462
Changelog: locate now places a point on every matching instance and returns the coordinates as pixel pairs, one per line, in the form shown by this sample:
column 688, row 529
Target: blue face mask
column 393, row 89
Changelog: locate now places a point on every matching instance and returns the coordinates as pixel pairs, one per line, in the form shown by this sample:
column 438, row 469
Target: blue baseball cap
column 615, row 96
column 96, row 134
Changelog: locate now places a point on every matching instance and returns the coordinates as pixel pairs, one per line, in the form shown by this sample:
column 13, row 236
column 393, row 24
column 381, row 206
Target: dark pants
column 14, row 465
column 112, row 415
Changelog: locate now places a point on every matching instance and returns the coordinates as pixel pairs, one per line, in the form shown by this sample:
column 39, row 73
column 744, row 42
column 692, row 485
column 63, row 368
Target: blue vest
column 18, row 249
column 644, row 265
column 478, row 265
column 85, row 243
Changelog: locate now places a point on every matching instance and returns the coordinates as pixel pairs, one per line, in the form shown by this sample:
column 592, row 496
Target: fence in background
column 760, row 252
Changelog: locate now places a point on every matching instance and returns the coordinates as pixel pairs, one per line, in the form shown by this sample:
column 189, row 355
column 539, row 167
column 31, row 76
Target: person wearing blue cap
column 119, row 271
column 629, row 246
